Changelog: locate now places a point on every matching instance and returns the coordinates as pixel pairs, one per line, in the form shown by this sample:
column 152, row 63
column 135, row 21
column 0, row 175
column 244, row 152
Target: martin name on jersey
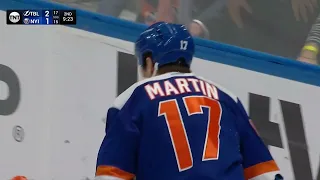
column 179, row 126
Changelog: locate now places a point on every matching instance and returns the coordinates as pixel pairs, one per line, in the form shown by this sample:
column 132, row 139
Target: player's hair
column 179, row 65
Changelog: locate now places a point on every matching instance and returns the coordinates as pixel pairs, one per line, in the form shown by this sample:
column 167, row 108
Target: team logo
column 30, row 13
column 14, row 17
column 26, row 13
column 26, row 20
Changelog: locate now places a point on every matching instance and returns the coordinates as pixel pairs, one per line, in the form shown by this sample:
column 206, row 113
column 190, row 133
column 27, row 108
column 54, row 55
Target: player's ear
column 149, row 68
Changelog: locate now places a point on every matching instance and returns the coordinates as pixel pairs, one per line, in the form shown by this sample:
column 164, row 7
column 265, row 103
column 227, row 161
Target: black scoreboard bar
column 68, row 17
column 42, row 17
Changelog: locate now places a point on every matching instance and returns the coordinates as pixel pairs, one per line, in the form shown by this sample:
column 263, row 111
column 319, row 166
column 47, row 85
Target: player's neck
column 169, row 69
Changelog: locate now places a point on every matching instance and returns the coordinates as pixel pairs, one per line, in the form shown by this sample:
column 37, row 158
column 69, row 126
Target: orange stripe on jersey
column 260, row 169
column 114, row 171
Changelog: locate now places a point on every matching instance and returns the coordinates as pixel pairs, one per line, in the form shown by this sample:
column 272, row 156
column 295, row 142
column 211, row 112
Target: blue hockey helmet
column 166, row 43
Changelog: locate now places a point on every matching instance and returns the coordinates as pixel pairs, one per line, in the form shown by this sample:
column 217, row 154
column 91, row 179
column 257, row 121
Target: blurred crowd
column 288, row 28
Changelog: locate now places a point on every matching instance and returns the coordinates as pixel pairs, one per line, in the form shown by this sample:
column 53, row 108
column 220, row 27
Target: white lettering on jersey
column 202, row 87
column 169, row 88
column 194, row 84
column 154, row 90
column 183, row 85
column 212, row 91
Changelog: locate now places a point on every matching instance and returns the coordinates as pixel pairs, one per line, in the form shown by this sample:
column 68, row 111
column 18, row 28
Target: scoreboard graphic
column 41, row 17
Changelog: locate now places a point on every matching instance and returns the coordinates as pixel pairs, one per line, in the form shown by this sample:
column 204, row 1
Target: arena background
column 279, row 27
column 281, row 95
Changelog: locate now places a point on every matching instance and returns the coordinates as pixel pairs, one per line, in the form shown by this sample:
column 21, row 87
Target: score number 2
column 194, row 104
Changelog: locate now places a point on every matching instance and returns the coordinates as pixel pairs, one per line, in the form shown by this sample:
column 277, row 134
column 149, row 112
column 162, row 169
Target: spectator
column 310, row 50
column 154, row 10
column 274, row 31
column 274, row 26
column 111, row 7
column 199, row 15
column 181, row 12
column 302, row 8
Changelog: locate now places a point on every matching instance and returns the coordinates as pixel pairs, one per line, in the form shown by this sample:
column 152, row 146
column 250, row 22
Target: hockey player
column 176, row 125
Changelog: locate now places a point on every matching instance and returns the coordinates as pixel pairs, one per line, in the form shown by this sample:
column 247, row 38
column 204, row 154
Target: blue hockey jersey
column 179, row 126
